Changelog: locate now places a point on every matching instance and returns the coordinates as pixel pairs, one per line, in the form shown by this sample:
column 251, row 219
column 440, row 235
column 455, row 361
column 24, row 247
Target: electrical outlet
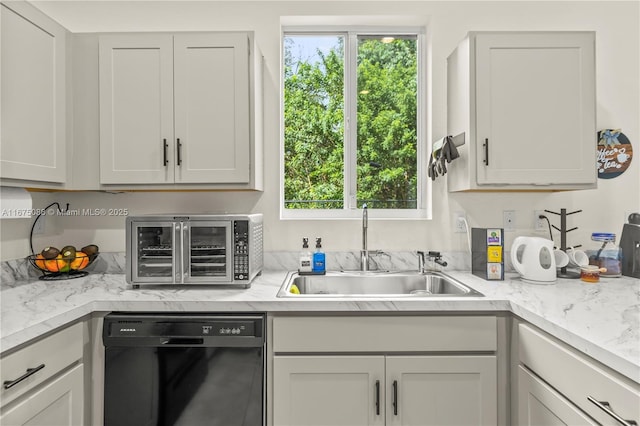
column 459, row 225
column 509, row 220
column 540, row 224
column 39, row 228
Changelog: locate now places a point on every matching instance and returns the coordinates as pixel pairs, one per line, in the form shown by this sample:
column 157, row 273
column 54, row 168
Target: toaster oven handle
column 184, row 250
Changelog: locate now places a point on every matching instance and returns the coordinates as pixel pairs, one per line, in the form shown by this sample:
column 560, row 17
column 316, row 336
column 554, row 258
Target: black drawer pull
column 486, row 152
column 606, row 407
column 377, row 397
column 179, row 152
column 395, row 398
column 164, row 152
column 8, row 384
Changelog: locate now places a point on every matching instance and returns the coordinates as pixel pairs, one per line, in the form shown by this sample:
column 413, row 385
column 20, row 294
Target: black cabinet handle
column 486, row 152
column 395, row 397
column 164, row 152
column 606, row 407
column 8, row 384
column 179, row 152
column 377, row 397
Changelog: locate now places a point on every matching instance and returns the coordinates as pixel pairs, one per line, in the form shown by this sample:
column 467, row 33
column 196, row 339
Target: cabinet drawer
column 384, row 333
column 59, row 402
column 577, row 378
column 54, row 352
column 540, row 404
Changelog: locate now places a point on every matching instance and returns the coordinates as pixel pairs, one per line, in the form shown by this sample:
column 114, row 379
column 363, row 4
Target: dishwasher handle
column 191, row 341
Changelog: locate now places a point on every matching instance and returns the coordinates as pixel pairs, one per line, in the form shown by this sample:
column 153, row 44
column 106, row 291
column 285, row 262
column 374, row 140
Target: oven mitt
column 452, row 150
column 430, row 168
column 443, row 165
column 446, row 154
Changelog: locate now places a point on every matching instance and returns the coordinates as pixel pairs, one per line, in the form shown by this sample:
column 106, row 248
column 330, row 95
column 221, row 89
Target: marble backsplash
column 20, row 270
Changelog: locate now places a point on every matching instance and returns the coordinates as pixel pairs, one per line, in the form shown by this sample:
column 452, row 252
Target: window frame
column 423, row 184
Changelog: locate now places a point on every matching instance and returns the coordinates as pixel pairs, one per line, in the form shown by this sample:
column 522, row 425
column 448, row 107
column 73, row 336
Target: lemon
column 294, row 289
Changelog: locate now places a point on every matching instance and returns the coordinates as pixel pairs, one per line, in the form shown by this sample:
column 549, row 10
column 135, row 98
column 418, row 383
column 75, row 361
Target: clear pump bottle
column 305, row 265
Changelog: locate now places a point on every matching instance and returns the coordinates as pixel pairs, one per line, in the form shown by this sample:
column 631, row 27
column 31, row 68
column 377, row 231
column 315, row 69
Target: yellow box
column 494, row 253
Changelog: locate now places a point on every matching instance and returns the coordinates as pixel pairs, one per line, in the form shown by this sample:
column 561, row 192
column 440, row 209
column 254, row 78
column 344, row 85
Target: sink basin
column 372, row 284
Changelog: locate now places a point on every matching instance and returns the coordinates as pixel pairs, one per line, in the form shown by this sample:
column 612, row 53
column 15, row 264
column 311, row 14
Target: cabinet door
column 328, row 390
column 441, row 390
column 535, row 108
column 33, row 96
column 540, row 404
column 212, row 108
column 136, row 109
column 59, row 403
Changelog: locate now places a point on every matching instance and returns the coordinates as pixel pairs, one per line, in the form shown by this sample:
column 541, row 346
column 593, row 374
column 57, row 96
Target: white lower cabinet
column 539, row 404
column 43, row 383
column 328, row 390
column 558, row 385
column 363, row 370
column 385, row 390
column 441, row 390
column 58, row 403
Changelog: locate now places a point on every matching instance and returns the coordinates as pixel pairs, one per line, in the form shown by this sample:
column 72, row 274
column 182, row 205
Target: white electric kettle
column 533, row 259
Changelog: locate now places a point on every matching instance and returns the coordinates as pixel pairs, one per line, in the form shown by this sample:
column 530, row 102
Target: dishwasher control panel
column 122, row 329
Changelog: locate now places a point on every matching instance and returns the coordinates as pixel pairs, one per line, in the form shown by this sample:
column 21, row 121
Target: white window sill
column 336, row 214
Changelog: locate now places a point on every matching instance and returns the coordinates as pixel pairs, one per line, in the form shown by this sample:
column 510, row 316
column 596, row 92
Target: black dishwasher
column 184, row 369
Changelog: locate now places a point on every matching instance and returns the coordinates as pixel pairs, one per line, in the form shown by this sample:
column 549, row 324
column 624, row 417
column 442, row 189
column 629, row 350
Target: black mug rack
column 563, row 239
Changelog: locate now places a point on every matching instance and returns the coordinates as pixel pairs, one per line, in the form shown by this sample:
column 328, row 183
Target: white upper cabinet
column 212, row 108
column 33, row 147
column 526, row 102
column 180, row 109
column 136, row 109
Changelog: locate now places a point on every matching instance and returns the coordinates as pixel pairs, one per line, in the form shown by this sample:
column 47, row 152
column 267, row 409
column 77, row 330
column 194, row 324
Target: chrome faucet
column 364, row 253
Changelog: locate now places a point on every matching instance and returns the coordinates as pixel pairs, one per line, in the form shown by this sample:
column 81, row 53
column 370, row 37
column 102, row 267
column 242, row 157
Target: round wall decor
column 614, row 153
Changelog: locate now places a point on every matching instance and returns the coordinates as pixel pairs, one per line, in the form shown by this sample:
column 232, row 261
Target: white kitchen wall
column 618, row 106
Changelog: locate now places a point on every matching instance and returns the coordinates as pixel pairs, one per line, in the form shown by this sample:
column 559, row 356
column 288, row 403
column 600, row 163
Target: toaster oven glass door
column 156, row 248
column 208, row 252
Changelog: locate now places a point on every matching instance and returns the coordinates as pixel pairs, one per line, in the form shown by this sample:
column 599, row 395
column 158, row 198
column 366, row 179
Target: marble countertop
column 601, row 320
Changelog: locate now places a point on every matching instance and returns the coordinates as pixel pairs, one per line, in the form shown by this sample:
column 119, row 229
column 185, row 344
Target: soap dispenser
column 305, row 267
column 319, row 258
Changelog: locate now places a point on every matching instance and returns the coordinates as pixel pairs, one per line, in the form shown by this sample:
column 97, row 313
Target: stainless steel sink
column 372, row 284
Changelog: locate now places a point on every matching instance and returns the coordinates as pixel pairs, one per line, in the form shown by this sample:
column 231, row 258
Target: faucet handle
column 434, row 256
column 437, row 258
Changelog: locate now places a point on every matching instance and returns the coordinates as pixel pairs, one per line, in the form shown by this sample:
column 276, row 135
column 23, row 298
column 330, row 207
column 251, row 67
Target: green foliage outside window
column 386, row 130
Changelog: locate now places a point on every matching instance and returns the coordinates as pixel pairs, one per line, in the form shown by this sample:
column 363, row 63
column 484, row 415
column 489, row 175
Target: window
column 352, row 133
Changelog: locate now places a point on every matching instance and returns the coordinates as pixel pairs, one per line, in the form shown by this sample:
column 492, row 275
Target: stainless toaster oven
column 194, row 249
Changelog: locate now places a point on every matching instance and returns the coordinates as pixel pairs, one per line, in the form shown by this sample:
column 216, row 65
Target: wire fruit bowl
column 60, row 268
